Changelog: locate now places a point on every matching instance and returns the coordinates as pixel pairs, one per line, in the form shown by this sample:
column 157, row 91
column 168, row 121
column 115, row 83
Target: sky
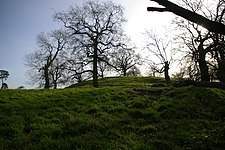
column 22, row 20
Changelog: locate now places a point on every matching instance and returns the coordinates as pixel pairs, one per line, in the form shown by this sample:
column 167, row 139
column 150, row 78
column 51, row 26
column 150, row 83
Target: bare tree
column 103, row 68
column 125, row 59
column 97, row 26
column 159, row 47
column 42, row 61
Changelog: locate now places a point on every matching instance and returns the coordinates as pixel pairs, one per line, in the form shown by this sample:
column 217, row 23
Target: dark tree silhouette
column 43, row 63
column 96, row 26
column 4, row 74
column 125, row 59
column 212, row 26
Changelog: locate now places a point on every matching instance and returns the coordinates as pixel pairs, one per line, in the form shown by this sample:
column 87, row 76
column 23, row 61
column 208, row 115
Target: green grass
column 123, row 113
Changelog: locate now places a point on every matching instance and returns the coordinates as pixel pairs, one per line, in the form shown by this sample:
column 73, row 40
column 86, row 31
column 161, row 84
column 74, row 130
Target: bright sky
column 22, row 20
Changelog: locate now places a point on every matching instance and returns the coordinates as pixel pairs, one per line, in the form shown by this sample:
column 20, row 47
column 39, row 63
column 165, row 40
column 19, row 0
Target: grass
column 124, row 113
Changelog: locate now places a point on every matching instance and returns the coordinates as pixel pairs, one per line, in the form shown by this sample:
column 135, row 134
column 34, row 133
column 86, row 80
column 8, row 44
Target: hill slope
column 124, row 113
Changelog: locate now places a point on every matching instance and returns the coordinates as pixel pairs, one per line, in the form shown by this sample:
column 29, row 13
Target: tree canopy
column 4, row 74
column 96, row 27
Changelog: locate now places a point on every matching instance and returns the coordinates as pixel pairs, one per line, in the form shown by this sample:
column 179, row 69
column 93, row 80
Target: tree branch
column 157, row 9
column 189, row 15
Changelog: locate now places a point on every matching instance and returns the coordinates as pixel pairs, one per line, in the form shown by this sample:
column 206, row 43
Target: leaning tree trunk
column 166, row 71
column 203, row 64
column 95, row 66
column 212, row 26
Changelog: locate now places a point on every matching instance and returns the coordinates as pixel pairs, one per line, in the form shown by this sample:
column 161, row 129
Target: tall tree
column 42, row 62
column 4, row 74
column 97, row 26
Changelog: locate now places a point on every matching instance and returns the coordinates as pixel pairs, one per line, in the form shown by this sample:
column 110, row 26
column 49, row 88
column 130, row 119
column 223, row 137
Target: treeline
column 92, row 44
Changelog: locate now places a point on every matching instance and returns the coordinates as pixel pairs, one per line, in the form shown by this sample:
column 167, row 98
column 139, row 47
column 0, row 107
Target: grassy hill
column 123, row 113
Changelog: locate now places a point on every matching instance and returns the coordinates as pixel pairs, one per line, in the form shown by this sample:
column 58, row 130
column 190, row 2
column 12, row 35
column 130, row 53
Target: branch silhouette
column 212, row 26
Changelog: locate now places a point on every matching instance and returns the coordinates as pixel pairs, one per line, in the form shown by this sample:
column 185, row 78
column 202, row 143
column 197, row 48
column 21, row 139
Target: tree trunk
column 203, row 64
column 203, row 69
column 189, row 15
column 55, row 84
column 166, row 71
column 124, row 72
column 101, row 73
column 95, row 65
column 221, row 71
column 47, row 82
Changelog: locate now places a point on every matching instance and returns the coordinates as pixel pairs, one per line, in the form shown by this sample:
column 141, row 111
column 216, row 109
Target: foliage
column 4, row 74
column 123, row 113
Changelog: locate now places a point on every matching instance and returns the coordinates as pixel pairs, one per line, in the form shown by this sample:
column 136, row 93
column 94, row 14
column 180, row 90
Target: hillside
column 123, row 113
